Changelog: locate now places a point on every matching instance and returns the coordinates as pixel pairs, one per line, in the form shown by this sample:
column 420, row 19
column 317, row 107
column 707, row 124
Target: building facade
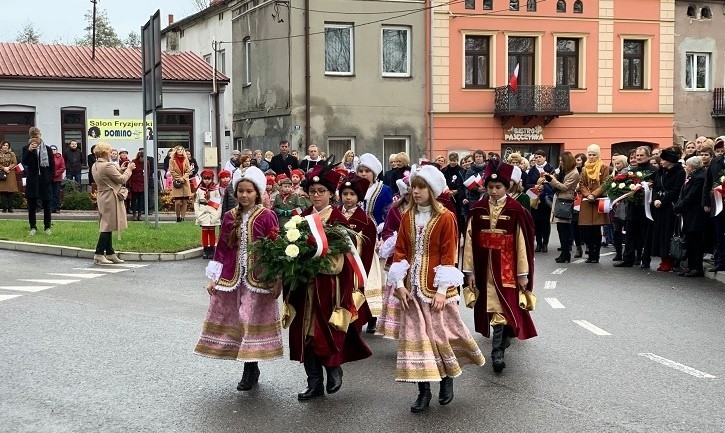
column 589, row 71
column 70, row 96
column 699, row 77
column 360, row 85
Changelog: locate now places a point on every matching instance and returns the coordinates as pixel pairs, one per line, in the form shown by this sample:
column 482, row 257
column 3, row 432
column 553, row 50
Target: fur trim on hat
column 372, row 162
column 252, row 174
column 433, row 177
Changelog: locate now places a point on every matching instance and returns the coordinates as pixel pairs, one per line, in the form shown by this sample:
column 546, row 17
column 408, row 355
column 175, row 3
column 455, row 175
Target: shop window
column 73, row 128
column 487, row 5
column 697, row 71
column 175, row 128
column 470, row 4
column 527, row 149
column 705, row 13
column 531, row 5
column 561, row 6
column 339, row 49
column 567, row 62
column 633, row 64
column 477, row 61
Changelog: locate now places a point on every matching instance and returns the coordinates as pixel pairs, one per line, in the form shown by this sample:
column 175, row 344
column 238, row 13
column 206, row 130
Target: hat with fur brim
column 372, row 162
column 252, row 174
column 670, row 155
column 433, row 177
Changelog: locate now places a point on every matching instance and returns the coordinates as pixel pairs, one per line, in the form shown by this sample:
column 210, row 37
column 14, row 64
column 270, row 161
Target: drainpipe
column 307, row 73
column 430, row 81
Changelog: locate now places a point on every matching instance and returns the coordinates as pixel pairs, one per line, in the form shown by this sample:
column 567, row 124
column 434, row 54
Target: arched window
column 578, row 7
column 513, row 5
column 692, row 11
column 531, row 5
column 561, row 6
column 705, row 13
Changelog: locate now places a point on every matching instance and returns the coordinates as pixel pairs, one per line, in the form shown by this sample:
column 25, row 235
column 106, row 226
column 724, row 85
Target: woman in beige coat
column 110, row 207
column 565, row 184
column 591, row 187
column 180, row 170
column 8, row 186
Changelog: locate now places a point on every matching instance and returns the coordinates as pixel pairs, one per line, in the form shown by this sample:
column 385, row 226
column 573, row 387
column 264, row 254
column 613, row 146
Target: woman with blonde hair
column 180, row 170
column 349, row 161
column 109, row 181
column 433, row 341
column 591, row 187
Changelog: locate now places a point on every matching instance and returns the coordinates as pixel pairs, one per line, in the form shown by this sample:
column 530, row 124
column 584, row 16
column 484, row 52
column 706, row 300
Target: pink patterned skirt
column 433, row 345
column 241, row 325
column 389, row 320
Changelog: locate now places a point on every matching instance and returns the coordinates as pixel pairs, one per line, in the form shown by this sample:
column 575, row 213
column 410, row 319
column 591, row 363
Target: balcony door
column 522, row 52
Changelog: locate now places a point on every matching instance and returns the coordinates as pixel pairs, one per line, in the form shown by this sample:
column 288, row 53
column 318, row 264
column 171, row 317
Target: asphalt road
column 113, row 353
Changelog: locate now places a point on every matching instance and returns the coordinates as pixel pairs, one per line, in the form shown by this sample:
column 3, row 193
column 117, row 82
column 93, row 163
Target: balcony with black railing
column 529, row 102
column 718, row 102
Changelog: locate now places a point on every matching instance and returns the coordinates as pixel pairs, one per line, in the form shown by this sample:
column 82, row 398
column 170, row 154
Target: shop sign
column 119, row 129
column 524, row 134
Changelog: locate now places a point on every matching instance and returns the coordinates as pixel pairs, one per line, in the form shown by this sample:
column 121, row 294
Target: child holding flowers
column 243, row 321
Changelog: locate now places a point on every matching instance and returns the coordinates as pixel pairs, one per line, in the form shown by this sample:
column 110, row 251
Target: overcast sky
column 62, row 20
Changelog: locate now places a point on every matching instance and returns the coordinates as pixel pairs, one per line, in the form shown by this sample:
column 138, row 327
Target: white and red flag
column 514, row 80
column 473, row 182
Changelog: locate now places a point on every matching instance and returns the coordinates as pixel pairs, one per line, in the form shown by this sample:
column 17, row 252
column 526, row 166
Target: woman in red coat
column 136, row 187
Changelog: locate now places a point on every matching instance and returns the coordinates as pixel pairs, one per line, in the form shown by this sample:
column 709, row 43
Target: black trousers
column 695, row 249
column 137, row 202
column 638, row 239
column 618, row 235
column 105, row 243
column 576, row 233
column 566, row 234
column 32, row 207
column 543, row 232
column 7, row 200
column 592, row 237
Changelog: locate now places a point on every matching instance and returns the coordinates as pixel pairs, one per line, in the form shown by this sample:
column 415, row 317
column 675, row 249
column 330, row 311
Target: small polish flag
column 297, row 211
column 196, row 181
column 215, row 202
column 514, row 80
column 604, row 205
column 19, row 168
column 472, row 182
column 578, row 203
column 532, row 194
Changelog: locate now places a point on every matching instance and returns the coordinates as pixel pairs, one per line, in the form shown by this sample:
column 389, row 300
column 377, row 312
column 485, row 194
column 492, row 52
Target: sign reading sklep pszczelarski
column 524, row 134
column 119, row 129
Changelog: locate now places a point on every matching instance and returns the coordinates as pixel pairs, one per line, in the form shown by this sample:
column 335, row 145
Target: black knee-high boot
column 500, row 341
column 313, row 368
column 424, row 396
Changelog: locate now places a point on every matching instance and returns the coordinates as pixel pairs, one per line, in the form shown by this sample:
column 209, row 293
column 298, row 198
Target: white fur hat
column 372, row 162
column 432, row 176
column 252, row 174
column 402, row 186
column 516, row 174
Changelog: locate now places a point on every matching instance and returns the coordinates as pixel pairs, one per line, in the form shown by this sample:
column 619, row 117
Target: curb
column 60, row 250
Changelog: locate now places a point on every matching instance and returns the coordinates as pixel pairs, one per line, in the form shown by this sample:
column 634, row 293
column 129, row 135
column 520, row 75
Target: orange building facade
column 589, row 71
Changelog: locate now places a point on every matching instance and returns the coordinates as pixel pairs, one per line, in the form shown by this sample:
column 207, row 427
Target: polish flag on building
column 514, row 80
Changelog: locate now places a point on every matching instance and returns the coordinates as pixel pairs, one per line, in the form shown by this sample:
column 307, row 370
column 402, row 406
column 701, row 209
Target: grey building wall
column 693, row 108
column 365, row 106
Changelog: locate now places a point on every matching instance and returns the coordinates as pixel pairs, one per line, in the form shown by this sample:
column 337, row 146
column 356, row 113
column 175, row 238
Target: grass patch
column 168, row 238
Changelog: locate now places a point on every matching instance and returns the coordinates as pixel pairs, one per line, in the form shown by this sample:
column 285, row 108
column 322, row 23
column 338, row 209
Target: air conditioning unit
column 207, row 137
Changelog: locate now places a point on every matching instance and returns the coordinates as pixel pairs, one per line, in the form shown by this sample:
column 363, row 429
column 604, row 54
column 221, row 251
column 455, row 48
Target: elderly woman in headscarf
column 591, row 187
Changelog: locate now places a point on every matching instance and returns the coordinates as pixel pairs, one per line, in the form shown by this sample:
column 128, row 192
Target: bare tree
column 28, row 34
column 200, row 5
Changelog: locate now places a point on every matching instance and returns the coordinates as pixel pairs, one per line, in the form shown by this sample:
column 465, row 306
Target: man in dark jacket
column 39, row 170
column 284, row 162
column 542, row 213
column 694, row 217
column 713, row 179
column 454, row 179
column 73, row 158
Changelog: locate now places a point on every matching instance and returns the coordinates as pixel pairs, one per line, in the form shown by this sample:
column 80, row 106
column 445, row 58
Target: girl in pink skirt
column 433, row 342
column 243, row 319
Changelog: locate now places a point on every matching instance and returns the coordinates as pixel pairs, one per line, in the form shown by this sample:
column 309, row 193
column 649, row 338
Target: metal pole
column 93, row 42
column 430, row 84
column 217, row 140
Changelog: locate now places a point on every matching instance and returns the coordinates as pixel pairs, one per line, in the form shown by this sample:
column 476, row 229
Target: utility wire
column 368, row 23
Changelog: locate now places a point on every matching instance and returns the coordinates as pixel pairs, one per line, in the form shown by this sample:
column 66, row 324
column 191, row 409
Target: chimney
column 171, row 19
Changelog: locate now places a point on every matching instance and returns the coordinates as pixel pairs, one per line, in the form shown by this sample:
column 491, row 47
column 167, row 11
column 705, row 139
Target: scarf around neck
column 592, row 169
column 43, row 152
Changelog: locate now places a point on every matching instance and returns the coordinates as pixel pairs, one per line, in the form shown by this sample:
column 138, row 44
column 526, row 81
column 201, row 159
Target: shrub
column 77, row 201
column 69, row 185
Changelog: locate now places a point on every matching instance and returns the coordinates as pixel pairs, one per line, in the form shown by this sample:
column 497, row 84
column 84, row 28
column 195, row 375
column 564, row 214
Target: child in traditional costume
column 243, row 321
column 498, row 258
column 378, row 199
column 286, row 203
column 352, row 190
column 313, row 340
column 208, row 211
column 433, row 341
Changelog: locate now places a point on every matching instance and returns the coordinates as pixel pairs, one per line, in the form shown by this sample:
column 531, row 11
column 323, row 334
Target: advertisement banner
column 119, row 129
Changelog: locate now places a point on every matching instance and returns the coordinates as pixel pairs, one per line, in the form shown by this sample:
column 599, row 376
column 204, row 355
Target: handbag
column 527, row 300
column 678, row 246
column 470, row 295
column 178, row 183
column 3, row 175
column 340, row 318
column 564, row 208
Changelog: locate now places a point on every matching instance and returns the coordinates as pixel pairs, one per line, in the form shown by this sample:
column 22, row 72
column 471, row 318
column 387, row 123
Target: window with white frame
column 697, row 71
column 207, row 58
column 396, row 51
column 393, row 145
column 339, row 49
column 221, row 61
column 633, row 64
column 247, row 61
column 339, row 145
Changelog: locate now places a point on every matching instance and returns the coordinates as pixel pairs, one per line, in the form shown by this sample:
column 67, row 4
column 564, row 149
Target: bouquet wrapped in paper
column 629, row 187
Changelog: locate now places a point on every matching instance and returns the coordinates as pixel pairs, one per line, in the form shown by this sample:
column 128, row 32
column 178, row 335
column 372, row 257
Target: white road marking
column 77, row 275
column 579, row 261
column 26, row 288
column 677, row 366
column 50, row 281
column 592, row 328
column 550, row 285
column 558, row 271
column 128, row 265
column 6, row 297
column 611, row 253
column 554, row 303
column 105, row 270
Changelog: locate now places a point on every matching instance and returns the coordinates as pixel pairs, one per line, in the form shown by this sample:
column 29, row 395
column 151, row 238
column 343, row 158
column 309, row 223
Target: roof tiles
column 39, row 61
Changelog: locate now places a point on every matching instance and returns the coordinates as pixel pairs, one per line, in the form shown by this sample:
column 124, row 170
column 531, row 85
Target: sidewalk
column 88, row 215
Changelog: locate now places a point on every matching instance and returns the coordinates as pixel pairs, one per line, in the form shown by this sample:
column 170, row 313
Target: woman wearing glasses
column 312, row 340
column 208, row 211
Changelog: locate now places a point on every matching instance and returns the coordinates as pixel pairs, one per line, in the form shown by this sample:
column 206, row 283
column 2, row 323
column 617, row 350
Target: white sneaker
column 47, row 232
column 32, row 232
